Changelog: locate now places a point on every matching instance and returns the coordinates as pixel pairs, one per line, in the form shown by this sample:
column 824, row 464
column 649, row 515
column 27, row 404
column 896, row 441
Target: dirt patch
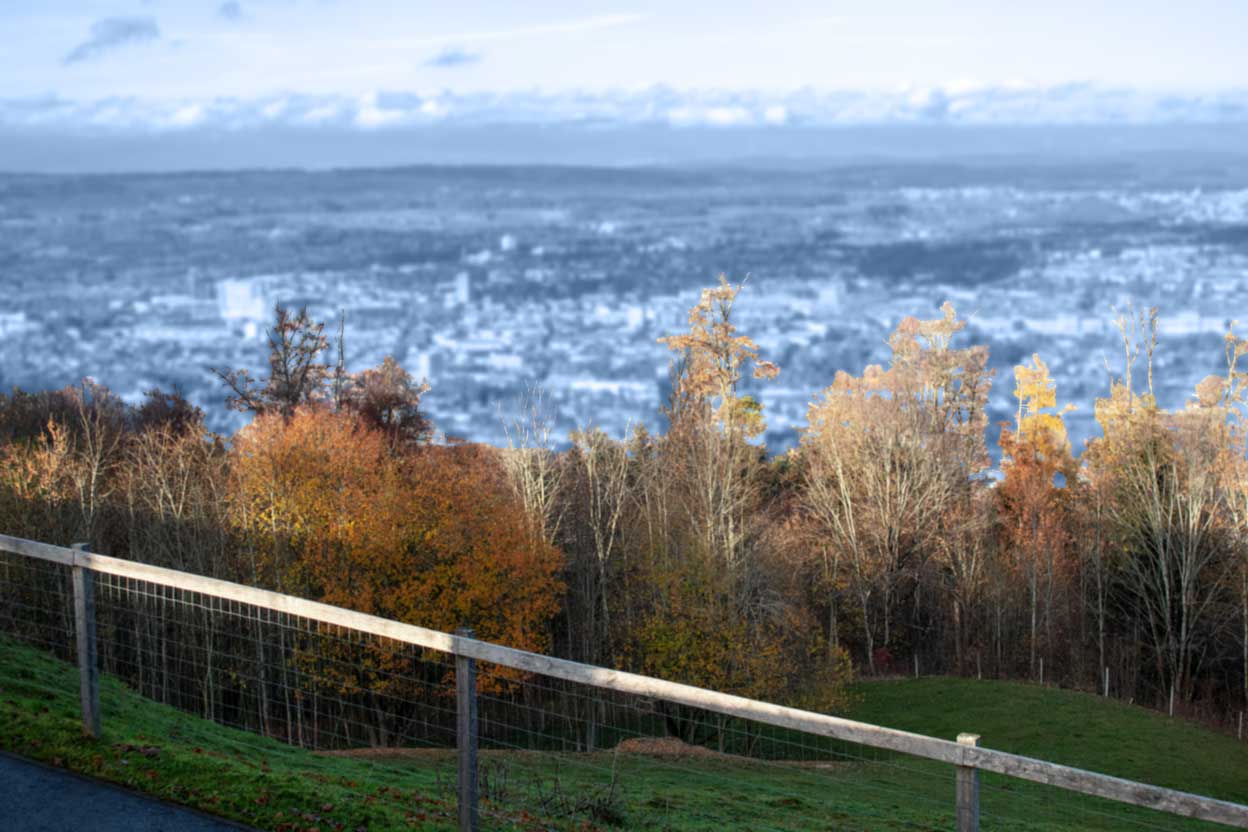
column 828, row 766
column 666, row 747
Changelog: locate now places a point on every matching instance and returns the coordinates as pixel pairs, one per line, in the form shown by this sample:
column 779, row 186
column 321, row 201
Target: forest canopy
column 882, row 541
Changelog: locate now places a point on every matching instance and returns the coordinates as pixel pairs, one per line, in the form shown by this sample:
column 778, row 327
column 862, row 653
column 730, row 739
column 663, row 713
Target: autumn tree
column 470, row 559
column 713, row 421
column 709, row 601
column 432, row 537
column 1166, row 486
column 1226, row 396
column 37, row 495
column 888, row 455
column 315, row 493
column 1036, row 462
column 387, row 398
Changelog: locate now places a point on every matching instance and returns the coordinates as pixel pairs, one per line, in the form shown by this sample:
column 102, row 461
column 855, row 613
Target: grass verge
column 163, row 752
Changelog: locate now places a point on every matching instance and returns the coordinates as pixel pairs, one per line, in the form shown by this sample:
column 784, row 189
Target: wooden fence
column 967, row 757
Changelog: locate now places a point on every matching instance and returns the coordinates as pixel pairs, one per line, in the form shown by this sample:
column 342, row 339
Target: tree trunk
column 865, row 599
column 1243, row 600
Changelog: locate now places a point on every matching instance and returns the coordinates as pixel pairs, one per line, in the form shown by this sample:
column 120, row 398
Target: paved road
column 38, row 798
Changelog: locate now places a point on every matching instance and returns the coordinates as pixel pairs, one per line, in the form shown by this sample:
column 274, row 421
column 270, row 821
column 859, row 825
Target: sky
column 243, row 48
column 161, row 65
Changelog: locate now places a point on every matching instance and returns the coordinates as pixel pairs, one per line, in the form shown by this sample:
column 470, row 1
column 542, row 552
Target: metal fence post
column 968, row 790
column 84, row 626
column 466, row 735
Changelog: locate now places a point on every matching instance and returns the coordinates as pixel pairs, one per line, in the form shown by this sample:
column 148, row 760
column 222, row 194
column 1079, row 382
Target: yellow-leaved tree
column 1032, row 511
column 712, row 422
column 890, row 463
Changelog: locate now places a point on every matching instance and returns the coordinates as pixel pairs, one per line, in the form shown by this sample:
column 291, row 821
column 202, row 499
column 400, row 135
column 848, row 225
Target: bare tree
column 889, row 454
column 388, row 398
column 296, row 373
column 713, row 423
column 99, row 430
column 1166, row 512
column 595, row 490
column 531, row 464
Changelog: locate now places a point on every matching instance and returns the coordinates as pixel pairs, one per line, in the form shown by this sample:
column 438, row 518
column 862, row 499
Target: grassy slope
column 1077, row 729
column 161, row 751
column 155, row 749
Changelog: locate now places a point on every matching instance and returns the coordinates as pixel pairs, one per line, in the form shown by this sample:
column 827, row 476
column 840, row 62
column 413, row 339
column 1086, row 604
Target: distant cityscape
column 489, row 281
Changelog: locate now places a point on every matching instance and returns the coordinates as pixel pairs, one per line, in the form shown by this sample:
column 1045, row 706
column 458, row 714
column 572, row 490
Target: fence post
column 88, row 667
column 968, row 790
column 1106, row 681
column 466, row 735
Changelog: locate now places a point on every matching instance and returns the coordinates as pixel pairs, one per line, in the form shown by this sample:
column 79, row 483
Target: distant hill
column 40, row 149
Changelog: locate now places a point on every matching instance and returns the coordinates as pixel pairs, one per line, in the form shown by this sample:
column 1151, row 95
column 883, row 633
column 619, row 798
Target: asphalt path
column 39, row 798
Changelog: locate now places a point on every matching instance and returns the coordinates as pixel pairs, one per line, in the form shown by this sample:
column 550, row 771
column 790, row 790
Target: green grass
column 1077, row 729
column 155, row 749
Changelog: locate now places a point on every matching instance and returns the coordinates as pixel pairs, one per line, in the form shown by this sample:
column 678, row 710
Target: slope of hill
column 155, row 749
column 1077, row 729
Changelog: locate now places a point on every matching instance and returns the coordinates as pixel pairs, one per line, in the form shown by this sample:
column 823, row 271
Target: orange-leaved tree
column 432, row 537
column 319, row 496
column 470, row 558
column 329, row 509
column 1032, row 511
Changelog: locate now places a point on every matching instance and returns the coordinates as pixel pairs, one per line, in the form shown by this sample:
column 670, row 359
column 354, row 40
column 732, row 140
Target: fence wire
column 554, row 754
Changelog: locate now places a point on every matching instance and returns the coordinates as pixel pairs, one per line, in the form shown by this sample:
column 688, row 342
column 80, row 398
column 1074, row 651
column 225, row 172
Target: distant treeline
column 883, row 542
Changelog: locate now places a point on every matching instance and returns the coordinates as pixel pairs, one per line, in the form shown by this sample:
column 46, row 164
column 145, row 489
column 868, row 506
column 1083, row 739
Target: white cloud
column 188, row 116
column 1013, row 104
column 371, row 114
column 776, row 114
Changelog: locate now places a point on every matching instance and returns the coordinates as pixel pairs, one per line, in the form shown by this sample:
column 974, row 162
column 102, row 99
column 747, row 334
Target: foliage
column 692, row 553
column 387, row 399
column 470, row 559
column 315, row 495
column 713, row 359
column 889, row 461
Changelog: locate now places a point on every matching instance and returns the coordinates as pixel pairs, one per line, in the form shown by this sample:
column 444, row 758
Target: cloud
column 452, row 57
column 955, row 104
column 111, row 33
column 230, row 10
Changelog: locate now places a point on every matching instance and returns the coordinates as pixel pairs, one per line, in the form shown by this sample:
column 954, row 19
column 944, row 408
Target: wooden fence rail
column 964, row 754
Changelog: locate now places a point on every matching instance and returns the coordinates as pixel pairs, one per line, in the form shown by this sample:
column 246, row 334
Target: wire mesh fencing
column 554, row 745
